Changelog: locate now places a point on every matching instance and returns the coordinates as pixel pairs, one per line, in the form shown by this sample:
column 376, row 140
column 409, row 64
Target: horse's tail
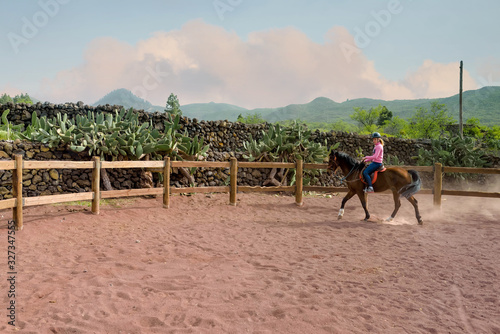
column 411, row 189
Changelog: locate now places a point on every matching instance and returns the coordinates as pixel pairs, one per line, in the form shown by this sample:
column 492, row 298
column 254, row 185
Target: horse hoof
column 339, row 217
column 389, row 219
column 420, row 222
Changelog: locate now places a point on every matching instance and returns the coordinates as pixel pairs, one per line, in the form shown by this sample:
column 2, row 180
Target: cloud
column 107, row 64
column 489, row 72
column 434, row 80
column 202, row 62
column 10, row 90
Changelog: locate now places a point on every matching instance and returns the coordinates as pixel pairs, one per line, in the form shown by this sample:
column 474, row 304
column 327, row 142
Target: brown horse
column 398, row 180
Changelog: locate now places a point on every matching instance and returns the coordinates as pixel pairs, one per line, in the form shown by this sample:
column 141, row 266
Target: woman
column 376, row 160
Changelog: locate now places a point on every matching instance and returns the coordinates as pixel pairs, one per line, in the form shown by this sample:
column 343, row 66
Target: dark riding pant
column 370, row 169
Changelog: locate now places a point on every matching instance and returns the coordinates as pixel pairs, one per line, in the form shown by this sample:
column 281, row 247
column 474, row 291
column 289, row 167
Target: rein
column 348, row 174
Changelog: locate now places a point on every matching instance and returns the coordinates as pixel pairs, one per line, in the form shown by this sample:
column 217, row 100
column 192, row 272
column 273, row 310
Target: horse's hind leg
column 414, row 202
column 344, row 200
column 397, row 205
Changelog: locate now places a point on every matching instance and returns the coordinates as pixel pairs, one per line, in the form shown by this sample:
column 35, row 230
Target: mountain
column 205, row 111
column 125, row 98
column 483, row 104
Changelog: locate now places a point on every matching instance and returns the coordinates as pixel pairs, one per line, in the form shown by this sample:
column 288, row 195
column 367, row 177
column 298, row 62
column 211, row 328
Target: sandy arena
column 264, row 266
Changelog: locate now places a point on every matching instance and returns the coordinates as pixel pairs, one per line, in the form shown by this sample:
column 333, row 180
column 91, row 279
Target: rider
column 376, row 159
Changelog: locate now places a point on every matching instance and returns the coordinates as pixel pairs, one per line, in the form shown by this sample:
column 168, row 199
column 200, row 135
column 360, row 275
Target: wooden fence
column 18, row 165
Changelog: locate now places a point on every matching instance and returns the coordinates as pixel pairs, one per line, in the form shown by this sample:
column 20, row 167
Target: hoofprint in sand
column 263, row 266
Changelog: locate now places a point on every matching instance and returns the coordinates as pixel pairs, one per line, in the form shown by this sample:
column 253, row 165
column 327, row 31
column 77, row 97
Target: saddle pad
column 373, row 176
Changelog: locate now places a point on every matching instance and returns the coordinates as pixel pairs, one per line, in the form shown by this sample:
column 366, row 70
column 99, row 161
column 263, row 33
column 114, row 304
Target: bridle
column 336, row 168
column 336, row 164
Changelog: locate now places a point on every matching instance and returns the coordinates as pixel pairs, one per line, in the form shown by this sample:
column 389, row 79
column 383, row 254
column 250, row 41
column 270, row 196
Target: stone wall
column 224, row 138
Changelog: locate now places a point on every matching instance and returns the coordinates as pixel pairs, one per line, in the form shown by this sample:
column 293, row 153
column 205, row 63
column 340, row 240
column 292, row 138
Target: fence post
column 17, row 192
column 96, row 180
column 299, row 181
column 438, row 183
column 166, row 183
column 233, row 173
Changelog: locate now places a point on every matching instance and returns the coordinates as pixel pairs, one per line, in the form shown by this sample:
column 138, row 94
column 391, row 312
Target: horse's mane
column 350, row 160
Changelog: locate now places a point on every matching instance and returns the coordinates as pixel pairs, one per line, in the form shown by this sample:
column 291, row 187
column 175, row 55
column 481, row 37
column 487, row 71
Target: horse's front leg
column 344, row 200
column 363, row 198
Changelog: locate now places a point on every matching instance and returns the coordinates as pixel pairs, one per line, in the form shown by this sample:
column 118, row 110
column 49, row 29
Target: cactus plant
column 7, row 130
column 110, row 136
column 454, row 152
column 285, row 144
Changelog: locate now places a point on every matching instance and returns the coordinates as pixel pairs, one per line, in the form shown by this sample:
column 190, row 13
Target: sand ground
column 263, row 266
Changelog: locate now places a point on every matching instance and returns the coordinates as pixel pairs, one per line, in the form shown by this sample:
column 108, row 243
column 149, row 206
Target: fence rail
column 18, row 165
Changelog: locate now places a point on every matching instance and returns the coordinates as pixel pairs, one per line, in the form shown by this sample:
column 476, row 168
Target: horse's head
column 333, row 162
column 342, row 160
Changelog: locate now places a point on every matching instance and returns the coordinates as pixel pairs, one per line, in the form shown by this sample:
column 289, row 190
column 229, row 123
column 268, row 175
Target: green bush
column 255, row 118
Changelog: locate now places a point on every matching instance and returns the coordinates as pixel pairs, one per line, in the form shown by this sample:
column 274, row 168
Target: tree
column 255, row 118
column 430, row 124
column 368, row 120
column 338, row 126
column 385, row 116
column 173, row 106
column 396, row 127
column 364, row 118
column 5, row 99
column 23, row 98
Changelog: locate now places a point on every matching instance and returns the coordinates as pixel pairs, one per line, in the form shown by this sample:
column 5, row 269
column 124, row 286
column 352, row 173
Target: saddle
column 373, row 176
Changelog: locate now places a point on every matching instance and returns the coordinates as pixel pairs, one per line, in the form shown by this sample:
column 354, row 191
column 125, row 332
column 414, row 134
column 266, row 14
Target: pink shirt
column 378, row 154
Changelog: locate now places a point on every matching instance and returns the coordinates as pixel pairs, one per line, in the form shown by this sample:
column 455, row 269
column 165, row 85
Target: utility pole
column 460, row 124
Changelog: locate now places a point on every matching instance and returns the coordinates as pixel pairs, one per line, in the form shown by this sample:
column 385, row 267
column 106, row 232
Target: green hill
column 213, row 111
column 202, row 111
column 483, row 104
column 125, row 98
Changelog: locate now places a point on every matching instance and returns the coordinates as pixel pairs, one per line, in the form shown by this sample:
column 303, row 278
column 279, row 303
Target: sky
column 250, row 53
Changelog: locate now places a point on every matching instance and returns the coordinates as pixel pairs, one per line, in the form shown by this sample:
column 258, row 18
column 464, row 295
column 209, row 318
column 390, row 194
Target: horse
column 401, row 182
